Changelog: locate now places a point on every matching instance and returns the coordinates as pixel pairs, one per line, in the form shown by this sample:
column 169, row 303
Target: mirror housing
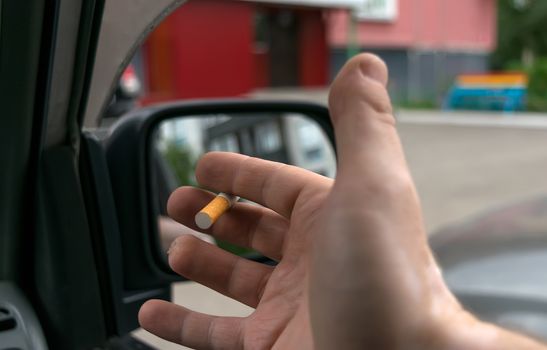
column 129, row 153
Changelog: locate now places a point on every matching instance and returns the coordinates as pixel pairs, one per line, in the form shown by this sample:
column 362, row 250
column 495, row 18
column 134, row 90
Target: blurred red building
column 218, row 48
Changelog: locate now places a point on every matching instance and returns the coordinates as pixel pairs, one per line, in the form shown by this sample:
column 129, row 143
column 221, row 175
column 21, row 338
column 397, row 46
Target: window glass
column 267, row 137
column 469, row 94
column 226, row 143
column 310, row 134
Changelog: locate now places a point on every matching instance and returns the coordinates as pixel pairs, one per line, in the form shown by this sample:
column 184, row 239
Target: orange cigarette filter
column 207, row 216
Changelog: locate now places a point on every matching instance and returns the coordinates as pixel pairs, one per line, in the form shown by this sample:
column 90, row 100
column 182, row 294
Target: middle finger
column 245, row 225
column 228, row 274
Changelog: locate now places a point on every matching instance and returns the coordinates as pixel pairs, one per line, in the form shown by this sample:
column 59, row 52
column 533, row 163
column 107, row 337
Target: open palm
column 355, row 270
column 281, row 231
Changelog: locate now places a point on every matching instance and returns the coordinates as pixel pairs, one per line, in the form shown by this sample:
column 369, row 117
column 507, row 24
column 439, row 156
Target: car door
column 61, row 282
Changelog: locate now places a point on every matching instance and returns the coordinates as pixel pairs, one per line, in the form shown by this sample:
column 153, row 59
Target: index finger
column 180, row 325
column 274, row 185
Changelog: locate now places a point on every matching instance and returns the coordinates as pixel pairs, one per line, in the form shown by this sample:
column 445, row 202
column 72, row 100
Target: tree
column 182, row 162
column 522, row 45
column 521, row 33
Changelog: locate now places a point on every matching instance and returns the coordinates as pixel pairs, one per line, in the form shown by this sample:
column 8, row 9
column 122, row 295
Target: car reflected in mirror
column 178, row 143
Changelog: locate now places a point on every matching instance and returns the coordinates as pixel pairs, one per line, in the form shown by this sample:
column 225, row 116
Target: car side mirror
column 154, row 150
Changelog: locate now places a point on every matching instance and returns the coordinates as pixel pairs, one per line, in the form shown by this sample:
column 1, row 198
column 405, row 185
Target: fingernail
column 374, row 68
column 172, row 247
column 372, row 72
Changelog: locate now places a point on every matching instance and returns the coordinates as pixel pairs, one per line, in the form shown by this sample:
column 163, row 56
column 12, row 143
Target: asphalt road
column 462, row 163
column 460, row 171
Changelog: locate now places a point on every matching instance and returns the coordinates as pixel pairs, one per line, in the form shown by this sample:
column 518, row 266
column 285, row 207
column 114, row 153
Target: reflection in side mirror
column 291, row 138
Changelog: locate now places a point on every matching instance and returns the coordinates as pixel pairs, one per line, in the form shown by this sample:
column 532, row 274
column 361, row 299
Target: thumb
column 369, row 149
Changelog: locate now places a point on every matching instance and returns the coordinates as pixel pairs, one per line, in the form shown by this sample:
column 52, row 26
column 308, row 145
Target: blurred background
column 216, row 48
column 468, row 80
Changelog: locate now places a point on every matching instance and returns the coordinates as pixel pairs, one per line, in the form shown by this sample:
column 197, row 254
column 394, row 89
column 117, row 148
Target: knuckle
column 392, row 187
column 245, row 174
column 378, row 99
column 205, row 167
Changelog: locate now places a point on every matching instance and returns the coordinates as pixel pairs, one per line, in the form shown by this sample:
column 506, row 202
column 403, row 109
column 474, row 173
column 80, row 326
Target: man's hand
column 355, row 270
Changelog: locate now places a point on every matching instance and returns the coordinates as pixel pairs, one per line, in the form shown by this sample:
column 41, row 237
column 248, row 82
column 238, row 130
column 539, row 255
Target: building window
column 246, row 141
column 262, row 32
column 312, row 140
column 267, row 137
column 377, row 10
column 314, row 154
column 225, row 143
column 310, row 134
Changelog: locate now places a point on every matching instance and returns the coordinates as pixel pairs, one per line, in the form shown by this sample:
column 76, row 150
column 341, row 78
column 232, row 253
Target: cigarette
column 212, row 211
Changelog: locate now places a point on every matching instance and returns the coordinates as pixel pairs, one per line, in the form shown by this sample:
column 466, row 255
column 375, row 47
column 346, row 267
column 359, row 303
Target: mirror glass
column 178, row 143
